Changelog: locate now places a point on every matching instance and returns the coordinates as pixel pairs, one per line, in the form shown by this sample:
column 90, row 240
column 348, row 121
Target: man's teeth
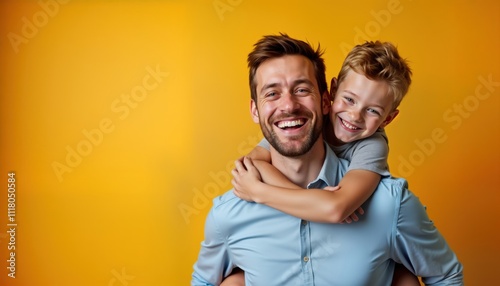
column 292, row 123
column 352, row 127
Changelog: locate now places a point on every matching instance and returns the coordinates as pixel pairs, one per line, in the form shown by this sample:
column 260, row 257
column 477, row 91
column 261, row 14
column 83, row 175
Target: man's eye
column 271, row 94
column 302, row 91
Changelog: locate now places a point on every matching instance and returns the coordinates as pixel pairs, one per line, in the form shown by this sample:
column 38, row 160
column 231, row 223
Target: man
column 289, row 100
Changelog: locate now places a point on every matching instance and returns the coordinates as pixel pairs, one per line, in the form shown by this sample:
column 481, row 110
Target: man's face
column 289, row 106
column 360, row 107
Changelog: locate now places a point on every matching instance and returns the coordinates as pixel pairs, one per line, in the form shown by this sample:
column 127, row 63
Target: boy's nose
column 355, row 115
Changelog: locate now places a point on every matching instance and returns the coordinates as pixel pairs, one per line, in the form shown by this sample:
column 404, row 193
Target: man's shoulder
column 392, row 200
column 224, row 199
column 394, row 182
column 394, row 187
column 228, row 205
column 230, row 213
column 396, row 190
column 224, row 210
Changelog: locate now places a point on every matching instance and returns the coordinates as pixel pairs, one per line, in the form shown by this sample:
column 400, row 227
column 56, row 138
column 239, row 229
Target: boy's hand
column 353, row 216
column 245, row 178
column 332, row 188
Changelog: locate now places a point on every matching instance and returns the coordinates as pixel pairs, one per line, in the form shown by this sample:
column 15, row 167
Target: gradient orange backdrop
column 121, row 120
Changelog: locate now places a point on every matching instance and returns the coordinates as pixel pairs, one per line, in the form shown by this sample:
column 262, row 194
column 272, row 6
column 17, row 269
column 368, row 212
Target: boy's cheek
column 336, row 107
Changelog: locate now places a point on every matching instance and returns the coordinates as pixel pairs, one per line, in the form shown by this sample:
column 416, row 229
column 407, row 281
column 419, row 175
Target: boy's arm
column 270, row 174
column 261, row 182
column 260, row 153
column 355, row 188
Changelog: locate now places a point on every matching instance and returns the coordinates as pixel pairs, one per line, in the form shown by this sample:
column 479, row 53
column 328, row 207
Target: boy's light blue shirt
column 274, row 248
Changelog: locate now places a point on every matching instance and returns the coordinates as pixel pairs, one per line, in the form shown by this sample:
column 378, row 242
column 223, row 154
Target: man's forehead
column 285, row 70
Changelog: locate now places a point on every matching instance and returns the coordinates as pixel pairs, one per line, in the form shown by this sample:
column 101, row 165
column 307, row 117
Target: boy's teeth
column 293, row 123
column 349, row 125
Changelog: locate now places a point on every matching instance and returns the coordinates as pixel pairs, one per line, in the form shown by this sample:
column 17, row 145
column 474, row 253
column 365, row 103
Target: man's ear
column 333, row 88
column 254, row 111
column 389, row 118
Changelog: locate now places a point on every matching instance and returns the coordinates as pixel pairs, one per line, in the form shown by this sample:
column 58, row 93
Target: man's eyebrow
column 295, row 83
column 303, row 80
column 269, row 85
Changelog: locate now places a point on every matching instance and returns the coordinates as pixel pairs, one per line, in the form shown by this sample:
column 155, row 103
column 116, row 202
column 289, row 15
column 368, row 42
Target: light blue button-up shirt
column 274, row 248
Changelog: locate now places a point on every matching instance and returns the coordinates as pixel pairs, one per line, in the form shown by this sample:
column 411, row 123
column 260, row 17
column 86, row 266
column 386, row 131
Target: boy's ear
column 254, row 111
column 333, row 88
column 389, row 118
column 326, row 103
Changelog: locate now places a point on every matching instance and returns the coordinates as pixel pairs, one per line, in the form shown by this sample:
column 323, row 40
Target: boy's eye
column 373, row 111
column 348, row 99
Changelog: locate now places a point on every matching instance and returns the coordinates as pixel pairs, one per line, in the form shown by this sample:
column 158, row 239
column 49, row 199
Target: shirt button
column 304, row 222
column 306, row 258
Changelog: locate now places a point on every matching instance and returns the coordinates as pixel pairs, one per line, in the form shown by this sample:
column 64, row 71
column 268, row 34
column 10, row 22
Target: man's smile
column 290, row 124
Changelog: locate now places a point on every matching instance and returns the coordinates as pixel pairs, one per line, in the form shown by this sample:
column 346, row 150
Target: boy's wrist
column 258, row 195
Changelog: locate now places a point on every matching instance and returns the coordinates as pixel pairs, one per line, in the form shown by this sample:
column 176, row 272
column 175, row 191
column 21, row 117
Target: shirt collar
column 329, row 174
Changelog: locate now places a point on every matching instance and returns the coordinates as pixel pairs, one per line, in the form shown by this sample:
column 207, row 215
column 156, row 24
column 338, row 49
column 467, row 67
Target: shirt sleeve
column 213, row 261
column 420, row 247
column 264, row 144
column 371, row 154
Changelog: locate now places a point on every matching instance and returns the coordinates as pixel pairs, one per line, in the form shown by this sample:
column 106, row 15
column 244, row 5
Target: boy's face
column 289, row 106
column 360, row 107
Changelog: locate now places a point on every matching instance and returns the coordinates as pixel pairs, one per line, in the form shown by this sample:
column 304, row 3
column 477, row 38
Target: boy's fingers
column 354, row 217
column 239, row 166
column 247, row 161
column 332, row 188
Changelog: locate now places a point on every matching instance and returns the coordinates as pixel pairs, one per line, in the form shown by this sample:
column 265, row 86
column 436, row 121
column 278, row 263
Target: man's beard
column 290, row 149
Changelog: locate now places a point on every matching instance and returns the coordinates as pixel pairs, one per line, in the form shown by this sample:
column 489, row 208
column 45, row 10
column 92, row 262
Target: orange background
column 121, row 120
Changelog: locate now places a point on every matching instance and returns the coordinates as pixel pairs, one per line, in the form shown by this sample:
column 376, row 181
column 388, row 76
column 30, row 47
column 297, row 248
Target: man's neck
column 303, row 169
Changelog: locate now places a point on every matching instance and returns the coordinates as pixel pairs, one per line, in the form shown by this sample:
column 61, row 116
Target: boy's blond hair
column 379, row 61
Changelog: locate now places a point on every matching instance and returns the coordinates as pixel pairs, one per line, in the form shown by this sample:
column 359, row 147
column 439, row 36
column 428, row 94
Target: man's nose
column 289, row 102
